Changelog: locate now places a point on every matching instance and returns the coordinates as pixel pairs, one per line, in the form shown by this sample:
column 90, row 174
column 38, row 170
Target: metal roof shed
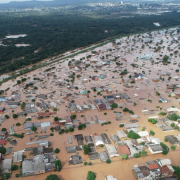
column 143, row 133
column 103, row 156
column 98, row 140
column 5, row 166
column 28, row 125
column 115, row 138
column 133, row 125
column 45, row 124
column 105, row 138
column 70, row 140
column 17, row 156
column 163, row 162
column 121, row 134
column 112, row 151
column 71, row 149
column 93, row 156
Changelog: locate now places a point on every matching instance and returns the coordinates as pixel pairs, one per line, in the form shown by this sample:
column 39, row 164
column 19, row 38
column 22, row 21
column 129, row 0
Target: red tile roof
column 165, row 169
column 102, row 106
column 153, row 166
column 2, row 142
column 123, row 150
column 56, row 123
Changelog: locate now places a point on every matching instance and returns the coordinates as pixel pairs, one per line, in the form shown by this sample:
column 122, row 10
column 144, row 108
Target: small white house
column 143, row 133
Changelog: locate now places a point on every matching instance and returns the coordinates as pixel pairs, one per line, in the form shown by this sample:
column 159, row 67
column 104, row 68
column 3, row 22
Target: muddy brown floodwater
column 128, row 48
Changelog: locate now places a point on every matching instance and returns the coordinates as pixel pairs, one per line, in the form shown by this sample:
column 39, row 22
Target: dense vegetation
column 91, row 175
column 52, row 177
column 165, row 148
column 173, row 117
column 57, row 32
column 177, row 171
column 133, row 135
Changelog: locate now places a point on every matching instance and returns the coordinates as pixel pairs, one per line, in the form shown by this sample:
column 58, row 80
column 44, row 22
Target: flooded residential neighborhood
column 113, row 110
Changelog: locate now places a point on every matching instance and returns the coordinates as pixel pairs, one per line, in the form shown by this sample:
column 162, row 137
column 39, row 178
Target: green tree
column 165, row 148
column 66, row 130
column 14, row 167
column 144, row 153
column 124, row 156
column 85, row 163
column 136, row 155
column 18, row 124
column 121, row 125
column 86, row 149
column 73, row 116
column 6, row 116
column 57, row 150
column 54, row 109
column 177, row 171
column 162, row 113
column 153, row 121
column 61, row 131
column 18, row 82
column 5, row 176
column 157, row 93
column 23, row 105
column 81, row 126
column 108, row 161
column 56, row 118
column 172, row 125
column 91, row 176
column 114, row 105
column 52, row 129
column 165, row 58
column 133, row 135
column 52, row 177
column 2, row 150
column 34, row 128
column 71, row 129
column 3, row 129
column 152, row 133
column 58, row 165
column 130, row 111
column 173, row 117
column 15, row 116
column 125, row 110
column 173, row 147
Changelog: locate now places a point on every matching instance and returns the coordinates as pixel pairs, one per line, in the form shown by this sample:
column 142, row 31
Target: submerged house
column 126, row 80
column 95, row 78
column 112, row 151
column 98, row 140
column 75, row 159
column 83, row 92
column 33, row 166
column 138, row 76
column 90, row 143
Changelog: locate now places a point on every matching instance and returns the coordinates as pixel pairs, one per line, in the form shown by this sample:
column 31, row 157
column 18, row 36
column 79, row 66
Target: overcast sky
column 7, row 1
